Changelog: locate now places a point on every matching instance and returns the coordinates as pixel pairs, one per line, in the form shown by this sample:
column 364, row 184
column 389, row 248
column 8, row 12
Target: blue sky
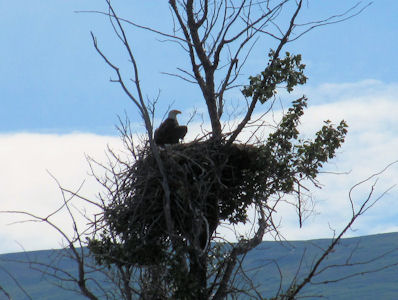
column 53, row 81
column 58, row 103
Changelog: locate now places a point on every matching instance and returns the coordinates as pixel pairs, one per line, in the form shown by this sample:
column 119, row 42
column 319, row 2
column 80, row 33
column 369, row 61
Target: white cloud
column 26, row 185
column 369, row 107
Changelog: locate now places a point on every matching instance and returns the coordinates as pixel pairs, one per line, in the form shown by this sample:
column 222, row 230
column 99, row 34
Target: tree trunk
column 198, row 275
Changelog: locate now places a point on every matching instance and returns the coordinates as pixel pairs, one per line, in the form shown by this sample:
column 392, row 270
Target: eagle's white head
column 173, row 114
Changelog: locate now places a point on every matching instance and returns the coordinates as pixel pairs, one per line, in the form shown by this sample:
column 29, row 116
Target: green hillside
column 263, row 265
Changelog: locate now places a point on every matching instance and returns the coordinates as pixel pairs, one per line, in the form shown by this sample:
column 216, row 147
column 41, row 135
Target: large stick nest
column 209, row 181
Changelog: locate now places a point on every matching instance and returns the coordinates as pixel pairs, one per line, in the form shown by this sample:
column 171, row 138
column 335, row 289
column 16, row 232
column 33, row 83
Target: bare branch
column 366, row 204
column 253, row 103
column 112, row 16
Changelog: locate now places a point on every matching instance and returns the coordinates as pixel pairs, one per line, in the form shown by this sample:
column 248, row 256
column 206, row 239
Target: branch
column 329, row 22
column 253, row 103
column 241, row 248
column 133, row 24
column 355, row 214
column 16, row 282
column 5, row 293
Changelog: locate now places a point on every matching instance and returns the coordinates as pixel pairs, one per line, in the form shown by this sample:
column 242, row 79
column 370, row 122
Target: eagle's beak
column 178, row 112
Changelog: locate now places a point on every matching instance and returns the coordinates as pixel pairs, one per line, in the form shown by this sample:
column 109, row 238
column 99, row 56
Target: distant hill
column 262, row 263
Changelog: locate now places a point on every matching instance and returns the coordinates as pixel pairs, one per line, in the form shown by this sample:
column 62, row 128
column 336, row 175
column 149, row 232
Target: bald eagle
column 169, row 132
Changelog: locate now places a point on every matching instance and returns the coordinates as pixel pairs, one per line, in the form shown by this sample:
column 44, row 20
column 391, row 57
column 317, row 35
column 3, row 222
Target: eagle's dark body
column 170, row 132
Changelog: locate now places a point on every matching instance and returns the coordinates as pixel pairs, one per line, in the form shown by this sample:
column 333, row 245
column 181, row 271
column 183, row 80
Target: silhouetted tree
column 163, row 209
column 157, row 230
